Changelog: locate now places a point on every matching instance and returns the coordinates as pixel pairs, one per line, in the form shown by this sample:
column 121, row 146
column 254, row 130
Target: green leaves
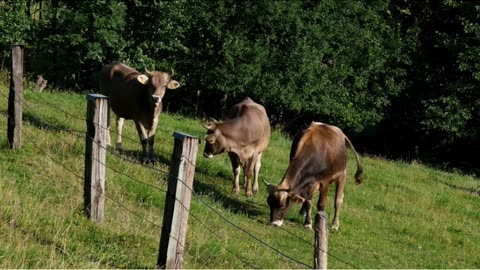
column 342, row 62
column 15, row 25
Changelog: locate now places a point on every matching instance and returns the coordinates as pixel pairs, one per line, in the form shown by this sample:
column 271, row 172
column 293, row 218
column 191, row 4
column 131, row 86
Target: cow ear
column 143, row 79
column 210, row 139
column 173, row 85
column 296, row 198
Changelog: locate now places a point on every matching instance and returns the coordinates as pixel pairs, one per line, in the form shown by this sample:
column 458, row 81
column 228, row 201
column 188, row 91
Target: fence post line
column 321, row 240
column 15, row 97
column 177, row 201
column 95, row 153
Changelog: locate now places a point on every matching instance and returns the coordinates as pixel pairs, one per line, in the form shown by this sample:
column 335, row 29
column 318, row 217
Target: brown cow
column 318, row 157
column 138, row 97
column 244, row 135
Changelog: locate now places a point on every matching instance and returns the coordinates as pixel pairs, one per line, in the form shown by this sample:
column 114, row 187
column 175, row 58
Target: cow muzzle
column 156, row 99
column 208, row 155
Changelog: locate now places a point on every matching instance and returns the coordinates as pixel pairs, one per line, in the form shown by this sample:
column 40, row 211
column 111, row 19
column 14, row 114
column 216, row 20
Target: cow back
column 247, row 123
column 128, row 97
column 317, row 152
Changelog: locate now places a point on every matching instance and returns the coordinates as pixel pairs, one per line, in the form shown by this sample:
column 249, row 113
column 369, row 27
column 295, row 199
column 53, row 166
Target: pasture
column 404, row 215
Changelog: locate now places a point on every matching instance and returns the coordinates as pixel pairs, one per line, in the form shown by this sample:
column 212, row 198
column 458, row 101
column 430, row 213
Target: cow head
column 279, row 201
column 156, row 83
column 214, row 140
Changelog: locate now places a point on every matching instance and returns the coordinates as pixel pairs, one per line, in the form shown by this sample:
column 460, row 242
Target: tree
column 88, row 33
column 437, row 112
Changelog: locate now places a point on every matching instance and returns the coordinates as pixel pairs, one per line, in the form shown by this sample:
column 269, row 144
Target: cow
column 244, row 135
column 318, row 158
column 138, row 97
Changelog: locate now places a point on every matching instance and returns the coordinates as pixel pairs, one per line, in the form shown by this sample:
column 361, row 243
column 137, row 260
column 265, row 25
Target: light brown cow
column 318, row 157
column 136, row 96
column 244, row 135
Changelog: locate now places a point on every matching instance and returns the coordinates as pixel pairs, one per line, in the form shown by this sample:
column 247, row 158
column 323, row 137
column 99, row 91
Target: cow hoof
column 308, row 226
column 335, row 227
column 235, row 190
column 150, row 162
column 249, row 193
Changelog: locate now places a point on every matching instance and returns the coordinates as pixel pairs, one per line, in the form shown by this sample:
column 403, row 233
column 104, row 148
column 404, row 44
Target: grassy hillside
column 402, row 216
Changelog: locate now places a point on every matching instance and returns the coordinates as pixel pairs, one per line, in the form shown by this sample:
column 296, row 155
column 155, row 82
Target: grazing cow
column 244, row 135
column 318, row 157
column 138, row 97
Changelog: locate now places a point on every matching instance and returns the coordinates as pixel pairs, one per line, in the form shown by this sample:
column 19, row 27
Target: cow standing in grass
column 318, row 158
column 136, row 96
column 244, row 135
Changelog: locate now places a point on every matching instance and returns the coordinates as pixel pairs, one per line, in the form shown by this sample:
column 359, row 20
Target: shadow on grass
column 228, row 201
column 475, row 192
column 202, row 185
column 42, row 124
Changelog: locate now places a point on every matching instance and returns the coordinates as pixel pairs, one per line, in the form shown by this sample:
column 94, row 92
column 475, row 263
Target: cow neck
column 293, row 177
column 228, row 130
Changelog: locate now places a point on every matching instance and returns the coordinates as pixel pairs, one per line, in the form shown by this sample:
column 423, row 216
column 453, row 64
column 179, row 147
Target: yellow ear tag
column 143, row 79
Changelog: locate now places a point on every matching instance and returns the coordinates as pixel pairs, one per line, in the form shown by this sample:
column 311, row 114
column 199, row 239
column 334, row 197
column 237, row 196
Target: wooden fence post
column 177, row 201
column 321, row 240
column 15, row 97
column 95, row 152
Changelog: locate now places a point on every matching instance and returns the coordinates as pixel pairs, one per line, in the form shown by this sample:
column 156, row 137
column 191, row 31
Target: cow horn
column 270, row 188
column 173, row 72
column 213, row 120
column 148, row 71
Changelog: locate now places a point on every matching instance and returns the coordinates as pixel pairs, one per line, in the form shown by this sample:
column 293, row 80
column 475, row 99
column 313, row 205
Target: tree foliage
column 405, row 71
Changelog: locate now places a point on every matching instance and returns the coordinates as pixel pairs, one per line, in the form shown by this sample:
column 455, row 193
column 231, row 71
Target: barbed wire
column 55, row 106
column 120, row 204
column 216, row 211
column 52, row 127
column 298, row 237
column 82, row 179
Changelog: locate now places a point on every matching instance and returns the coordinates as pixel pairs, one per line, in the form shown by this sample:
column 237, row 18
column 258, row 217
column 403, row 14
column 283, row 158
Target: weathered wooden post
column 177, row 201
column 321, row 240
column 15, row 98
column 95, row 152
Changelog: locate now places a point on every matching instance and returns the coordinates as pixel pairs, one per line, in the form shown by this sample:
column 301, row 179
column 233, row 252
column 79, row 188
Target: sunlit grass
column 404, row 215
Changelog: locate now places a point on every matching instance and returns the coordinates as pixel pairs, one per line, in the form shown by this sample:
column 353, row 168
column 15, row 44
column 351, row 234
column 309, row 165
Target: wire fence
column 200, row 199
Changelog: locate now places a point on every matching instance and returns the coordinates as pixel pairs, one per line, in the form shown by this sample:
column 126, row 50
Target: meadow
column 404, row 215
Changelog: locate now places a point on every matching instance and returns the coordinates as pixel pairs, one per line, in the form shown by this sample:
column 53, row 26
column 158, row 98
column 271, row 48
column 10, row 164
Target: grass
column 404, row 215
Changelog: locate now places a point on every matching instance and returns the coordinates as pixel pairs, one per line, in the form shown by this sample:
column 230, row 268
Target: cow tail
column 359, row 173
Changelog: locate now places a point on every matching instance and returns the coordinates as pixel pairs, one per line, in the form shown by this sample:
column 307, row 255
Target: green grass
column 403, row 215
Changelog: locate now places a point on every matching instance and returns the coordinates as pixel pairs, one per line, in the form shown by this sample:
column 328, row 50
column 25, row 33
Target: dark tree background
column 401, row 77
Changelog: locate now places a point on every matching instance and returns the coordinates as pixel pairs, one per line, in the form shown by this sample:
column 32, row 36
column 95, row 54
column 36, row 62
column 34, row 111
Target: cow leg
column 258, row 164
column 120, row 123
column 340, row 185
column 150, row 142
column 142, row 133
column 109, row 140
column 244, row 167
column 151, row 139
column 248, row 168
column 307, row 208
column 236, row 172
column 322, row 198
